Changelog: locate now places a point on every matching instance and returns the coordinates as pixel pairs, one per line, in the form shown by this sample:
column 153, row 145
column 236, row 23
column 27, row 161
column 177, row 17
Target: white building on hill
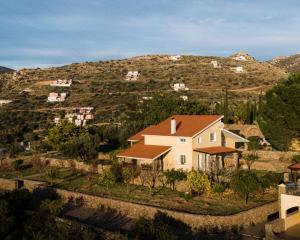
column 184, row 98
column 174, row 57
column 4, row 102
column 132, row 76
column 61, row 83
column 57, row 97
column 79, row 116
column 238, row 69
column 179, row 86
column 215, row 64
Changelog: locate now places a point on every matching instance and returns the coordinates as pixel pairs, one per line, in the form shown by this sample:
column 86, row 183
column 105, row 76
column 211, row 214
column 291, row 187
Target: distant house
column 174, row 57
column 179, row 86
column 215, row 64
column 61, row 83
column 186, row 142
column 79, row 116
column 184, row 98
column 4, row 102
column 146, row 98
column 57, row 97
column 132, row 76
column 241, row 56
column 238, row 69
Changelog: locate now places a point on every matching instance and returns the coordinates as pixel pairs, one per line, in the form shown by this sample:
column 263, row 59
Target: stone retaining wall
column 245, row 218
column 67, row 163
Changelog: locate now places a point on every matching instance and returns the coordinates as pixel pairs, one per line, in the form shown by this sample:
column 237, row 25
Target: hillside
column 4, row 69
column 290, row 63
column 102, row 84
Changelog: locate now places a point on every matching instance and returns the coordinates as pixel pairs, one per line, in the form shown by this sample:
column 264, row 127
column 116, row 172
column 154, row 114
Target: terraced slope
column 103, row 86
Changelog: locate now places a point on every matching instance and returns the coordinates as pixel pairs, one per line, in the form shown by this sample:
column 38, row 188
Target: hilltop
column 4, row 69
column 289, row 63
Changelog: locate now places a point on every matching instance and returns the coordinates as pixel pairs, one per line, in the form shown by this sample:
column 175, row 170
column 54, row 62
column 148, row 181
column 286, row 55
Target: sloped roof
column 142, row 151
column 216, row 150
column 139, row 136
column 187, row 126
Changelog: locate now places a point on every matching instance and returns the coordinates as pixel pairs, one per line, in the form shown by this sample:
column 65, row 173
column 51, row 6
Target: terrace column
column 281, row 190
column 236, row 159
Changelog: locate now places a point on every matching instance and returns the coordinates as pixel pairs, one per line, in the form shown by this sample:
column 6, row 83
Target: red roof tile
column 216, row 150
column 142, row 151
column 295, row 166
column 139, row 136
column 187, row 126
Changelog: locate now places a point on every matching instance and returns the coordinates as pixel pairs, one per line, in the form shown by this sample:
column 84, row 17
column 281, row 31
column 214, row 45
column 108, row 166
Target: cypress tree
column 225, row 109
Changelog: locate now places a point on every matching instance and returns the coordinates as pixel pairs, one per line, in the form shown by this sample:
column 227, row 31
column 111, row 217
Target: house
column 79, row 116
column 175, row 57
column 238, row 69
column 215, row 64
column 57, row 97
column 61, row 83
column 132, row 76
column 4, row 102
column 241, row 56
column 184, row 98
column 184, row 142
column 179, row 86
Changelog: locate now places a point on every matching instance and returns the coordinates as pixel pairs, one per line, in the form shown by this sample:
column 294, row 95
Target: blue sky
column 54, row 32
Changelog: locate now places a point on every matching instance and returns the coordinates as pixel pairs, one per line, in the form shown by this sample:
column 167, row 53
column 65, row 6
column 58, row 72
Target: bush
column 219, row 188
column 296, row 158
column 198, row 182
column 244, row 183
column 173, row 176
column 17, row 164
column 107, row 178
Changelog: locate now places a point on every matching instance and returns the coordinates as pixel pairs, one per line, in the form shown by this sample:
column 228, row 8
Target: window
column 182, row 140
column 213, row 136
column 199, row 140
column 182, row 159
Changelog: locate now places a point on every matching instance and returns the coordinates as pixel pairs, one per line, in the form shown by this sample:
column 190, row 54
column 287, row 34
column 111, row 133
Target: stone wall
column 67, row 163
column 245, row 218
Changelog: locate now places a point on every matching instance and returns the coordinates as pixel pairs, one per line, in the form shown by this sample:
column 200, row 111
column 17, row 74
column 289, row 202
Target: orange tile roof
column 187, row 126
column 142, row 151
column 295, row 166
column 139, row 136
column 216, row 150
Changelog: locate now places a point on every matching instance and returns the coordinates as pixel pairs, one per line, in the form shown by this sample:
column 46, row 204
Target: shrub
column 219, row 188
column 173, row 176
column 244, row 183
column 17, row 164
column 296, row 158
column 52, row 174
column 250, row 159
column 107, row 178
column 198, row 182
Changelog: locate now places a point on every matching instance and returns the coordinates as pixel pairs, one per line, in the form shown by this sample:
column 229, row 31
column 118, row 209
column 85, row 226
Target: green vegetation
column 173, row 176
column 198, row 182
column 280, row 114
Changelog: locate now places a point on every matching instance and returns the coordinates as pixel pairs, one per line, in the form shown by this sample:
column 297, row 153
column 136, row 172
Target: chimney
column 173, row 126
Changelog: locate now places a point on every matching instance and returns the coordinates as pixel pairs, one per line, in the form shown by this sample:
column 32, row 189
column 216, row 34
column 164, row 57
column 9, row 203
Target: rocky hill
column 102, row 84
column 4, row 69
column 289, row 63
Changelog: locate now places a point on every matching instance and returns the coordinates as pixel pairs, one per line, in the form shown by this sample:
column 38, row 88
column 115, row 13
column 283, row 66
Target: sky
column 40, row 33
